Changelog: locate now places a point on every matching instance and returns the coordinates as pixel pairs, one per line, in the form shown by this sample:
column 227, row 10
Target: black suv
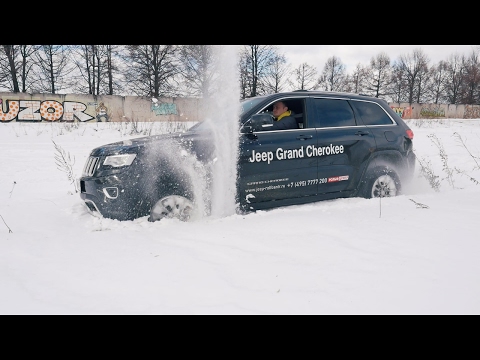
column 345, row 145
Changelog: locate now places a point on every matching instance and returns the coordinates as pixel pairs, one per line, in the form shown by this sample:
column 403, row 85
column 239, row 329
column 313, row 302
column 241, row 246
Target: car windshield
column 245, row 106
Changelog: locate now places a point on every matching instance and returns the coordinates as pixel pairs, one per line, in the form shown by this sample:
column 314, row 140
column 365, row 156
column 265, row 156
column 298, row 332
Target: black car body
column 345, row 145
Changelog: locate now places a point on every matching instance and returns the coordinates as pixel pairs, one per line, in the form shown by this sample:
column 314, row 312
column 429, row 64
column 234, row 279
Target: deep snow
column 414, row 254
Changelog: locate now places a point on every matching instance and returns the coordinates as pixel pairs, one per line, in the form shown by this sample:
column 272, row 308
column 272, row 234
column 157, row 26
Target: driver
column 283, row 117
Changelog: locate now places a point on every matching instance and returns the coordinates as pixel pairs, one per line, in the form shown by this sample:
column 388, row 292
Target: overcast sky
column 351, row 55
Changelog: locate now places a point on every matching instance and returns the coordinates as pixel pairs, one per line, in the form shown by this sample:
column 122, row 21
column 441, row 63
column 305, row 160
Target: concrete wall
column 433, row 111
column 88, row 108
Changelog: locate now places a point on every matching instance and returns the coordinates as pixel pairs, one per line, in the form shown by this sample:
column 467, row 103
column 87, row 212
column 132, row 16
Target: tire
column 173, row 206
column 381, row 181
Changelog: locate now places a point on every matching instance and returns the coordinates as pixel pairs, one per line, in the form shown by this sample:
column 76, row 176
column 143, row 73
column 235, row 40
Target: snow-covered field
column 414, row 254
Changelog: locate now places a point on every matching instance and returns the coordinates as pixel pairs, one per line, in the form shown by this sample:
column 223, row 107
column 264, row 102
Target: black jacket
column 287, row 122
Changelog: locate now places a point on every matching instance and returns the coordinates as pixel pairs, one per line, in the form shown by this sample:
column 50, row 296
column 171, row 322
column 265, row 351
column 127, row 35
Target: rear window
column 372, row 113
column 333, row 113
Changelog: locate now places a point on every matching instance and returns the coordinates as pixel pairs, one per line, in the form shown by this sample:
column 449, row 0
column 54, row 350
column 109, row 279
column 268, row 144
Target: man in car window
column 283, row 117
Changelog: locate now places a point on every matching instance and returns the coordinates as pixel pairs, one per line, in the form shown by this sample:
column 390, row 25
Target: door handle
column 304, row 137
column 362, row 132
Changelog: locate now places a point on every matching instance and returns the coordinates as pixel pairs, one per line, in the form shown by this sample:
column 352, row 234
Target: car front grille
column 90, row 166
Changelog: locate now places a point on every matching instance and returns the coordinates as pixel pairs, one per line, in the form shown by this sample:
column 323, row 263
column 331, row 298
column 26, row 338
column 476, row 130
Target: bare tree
column 16, row 62
column 379, row 75
column 9, row 68
column 98, row 69
column 190, row 70
column 244, row 77
column 53, row 68
column 333, row 76
column 85, row 58
column 198, row 69
column 398, row 84
column 359, row 77
column 415, row 69
column 255, row 60
column 304, row 77
column 27, row 61
column 436, row 86
column 471, row 82
column 423, row 80
column 275, row 79
column 454, row 78
column 111, row 82
column 152, row 70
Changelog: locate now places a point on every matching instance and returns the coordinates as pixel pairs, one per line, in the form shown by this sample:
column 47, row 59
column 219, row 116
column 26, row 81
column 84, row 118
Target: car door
column 343, row 145
column 273, row 164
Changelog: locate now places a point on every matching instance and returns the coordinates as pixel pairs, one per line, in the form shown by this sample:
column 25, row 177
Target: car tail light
column 409, row 134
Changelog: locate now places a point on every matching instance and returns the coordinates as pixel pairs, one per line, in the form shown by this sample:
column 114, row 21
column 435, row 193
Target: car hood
column 191, row 140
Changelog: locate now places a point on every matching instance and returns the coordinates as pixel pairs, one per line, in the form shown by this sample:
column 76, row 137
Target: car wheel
column 173, row 206
column 381, row 182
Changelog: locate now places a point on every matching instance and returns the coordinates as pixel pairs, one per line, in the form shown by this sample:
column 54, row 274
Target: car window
column 371, row 113
column 333, row 113
column 296, row 105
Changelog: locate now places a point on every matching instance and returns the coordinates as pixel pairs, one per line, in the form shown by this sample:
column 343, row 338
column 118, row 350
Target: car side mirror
column 259, row 122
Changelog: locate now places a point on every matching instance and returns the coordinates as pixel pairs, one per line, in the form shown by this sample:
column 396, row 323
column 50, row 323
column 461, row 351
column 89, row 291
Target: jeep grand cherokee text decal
column 308, row 151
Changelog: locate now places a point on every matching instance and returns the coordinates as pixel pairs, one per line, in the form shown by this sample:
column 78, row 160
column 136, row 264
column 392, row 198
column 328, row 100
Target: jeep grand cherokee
column 345, row 145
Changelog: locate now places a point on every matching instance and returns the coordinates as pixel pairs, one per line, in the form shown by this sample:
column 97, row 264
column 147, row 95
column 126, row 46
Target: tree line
column 191, row 71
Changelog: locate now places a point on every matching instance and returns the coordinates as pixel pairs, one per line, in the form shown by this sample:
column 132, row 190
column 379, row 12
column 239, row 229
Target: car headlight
column 119, row 160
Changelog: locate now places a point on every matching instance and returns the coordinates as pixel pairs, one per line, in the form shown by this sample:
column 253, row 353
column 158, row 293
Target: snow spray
column 223, row 113
column 213, row 183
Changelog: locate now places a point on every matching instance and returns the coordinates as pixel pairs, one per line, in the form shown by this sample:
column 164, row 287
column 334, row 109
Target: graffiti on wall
column 164, row 108
column 432, row 111
column 471, row 112
column 48, row 110
column 102, row 113
column 69, row 111
column 403, row 112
